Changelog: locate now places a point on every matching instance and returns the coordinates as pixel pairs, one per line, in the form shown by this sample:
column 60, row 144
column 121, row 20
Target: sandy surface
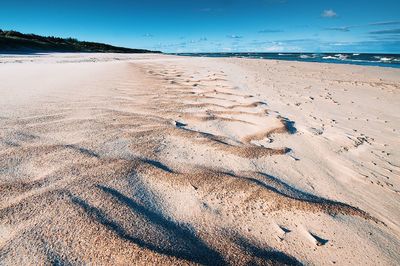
column 153, row 159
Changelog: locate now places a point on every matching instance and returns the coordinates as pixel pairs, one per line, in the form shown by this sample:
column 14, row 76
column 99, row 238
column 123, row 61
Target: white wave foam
column 329, row 57
column 385, row 59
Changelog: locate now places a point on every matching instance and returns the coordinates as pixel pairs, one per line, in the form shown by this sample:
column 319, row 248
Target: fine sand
column 152, row 159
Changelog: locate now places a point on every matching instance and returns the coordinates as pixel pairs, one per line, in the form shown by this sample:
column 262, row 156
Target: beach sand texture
column 156, row 159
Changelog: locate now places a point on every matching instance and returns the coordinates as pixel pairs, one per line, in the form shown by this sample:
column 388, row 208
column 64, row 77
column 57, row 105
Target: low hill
column 11, row 41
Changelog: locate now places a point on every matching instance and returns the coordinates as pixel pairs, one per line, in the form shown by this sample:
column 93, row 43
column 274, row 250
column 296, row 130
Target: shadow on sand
column 181, row 242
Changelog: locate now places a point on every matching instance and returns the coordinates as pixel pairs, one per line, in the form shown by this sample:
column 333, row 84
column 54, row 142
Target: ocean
column 382, row 60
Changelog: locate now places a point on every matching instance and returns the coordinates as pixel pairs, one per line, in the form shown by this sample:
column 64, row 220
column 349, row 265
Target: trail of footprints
column 209, row 108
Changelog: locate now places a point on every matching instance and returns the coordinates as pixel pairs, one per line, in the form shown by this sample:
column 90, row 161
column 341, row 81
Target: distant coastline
column 16, row 42
column 364, row 59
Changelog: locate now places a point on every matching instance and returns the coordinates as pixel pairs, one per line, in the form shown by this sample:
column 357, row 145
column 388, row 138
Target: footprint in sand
column 179, row 124
column 317, row 240
column 284, row 229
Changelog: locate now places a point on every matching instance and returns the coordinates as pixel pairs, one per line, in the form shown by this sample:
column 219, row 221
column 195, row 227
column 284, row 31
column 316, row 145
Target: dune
column 155, row 159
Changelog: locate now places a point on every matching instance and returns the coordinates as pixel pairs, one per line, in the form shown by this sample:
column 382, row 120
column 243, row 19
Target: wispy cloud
column 297, row 40
column 274, row 48
column 329, row 13
column 392, row 31
column 258, row 42
column 148, row 35
column 347, row 28
column 203, row 39
column 386, row 37
column 343, row 29
column 269, row 31
column 384, row 23
column 233, row 36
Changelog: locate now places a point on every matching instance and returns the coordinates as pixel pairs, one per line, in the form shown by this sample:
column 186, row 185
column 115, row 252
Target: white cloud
column 274, row 48
column 234, row 36
column 339, row 44
column 329, row 13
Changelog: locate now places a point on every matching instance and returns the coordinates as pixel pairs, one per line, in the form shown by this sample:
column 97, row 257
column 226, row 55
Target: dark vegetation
column 12, row 41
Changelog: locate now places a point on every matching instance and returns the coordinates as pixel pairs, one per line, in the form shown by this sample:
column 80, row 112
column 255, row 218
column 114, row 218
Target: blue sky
column 215, row 26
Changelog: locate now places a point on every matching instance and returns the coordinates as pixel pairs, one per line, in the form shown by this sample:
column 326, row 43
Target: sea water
column 382, row 60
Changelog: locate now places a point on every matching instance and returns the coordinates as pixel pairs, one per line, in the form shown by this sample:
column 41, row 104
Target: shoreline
column 200, row 55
